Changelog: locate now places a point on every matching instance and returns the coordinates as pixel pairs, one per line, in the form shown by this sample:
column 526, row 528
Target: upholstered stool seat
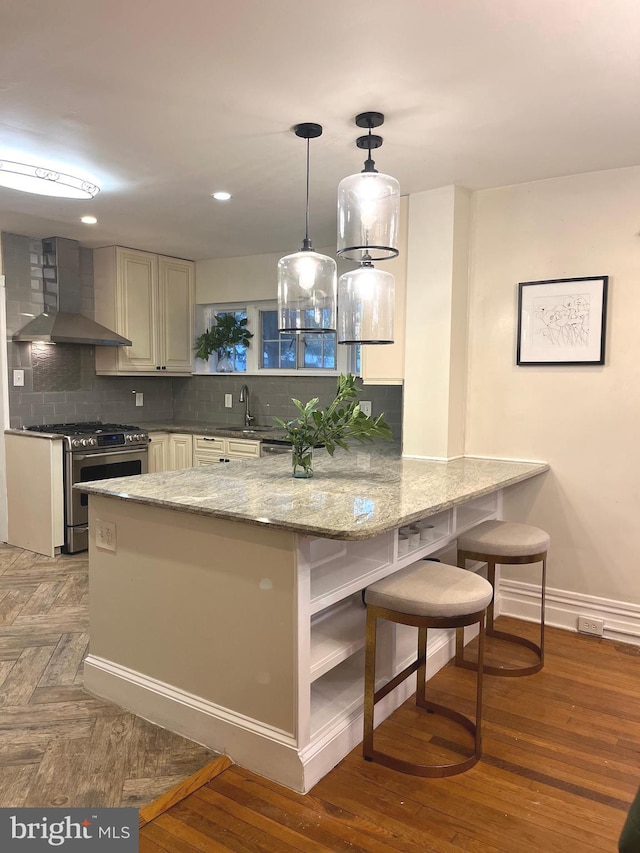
column 504, row 543
column 424, row 595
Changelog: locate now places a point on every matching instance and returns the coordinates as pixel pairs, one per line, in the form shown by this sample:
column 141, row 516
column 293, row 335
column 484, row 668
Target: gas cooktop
column 83, row 428
column 95, row 435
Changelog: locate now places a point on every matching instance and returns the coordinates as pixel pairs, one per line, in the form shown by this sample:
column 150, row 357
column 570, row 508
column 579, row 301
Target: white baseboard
column 265, row 750
column 251, row 744
column 562, row 608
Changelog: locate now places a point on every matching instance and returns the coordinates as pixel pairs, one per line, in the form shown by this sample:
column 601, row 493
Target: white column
column 436, row 323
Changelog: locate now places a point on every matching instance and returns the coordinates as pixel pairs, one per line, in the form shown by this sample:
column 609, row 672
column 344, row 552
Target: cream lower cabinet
column 180, row 451
column 158, row 456
column 212, row 449
column 170, row 451
column 150, row 300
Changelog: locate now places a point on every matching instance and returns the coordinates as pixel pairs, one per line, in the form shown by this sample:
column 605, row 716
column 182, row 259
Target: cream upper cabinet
column 149, row 299
column 384, row 365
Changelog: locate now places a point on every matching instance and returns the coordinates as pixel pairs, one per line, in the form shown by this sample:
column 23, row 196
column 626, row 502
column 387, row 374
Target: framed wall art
column 562, row 321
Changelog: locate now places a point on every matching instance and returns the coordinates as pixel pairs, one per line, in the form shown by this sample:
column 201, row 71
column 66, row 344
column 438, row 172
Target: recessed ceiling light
column 88, row 220
column 44, row 181
column 221, row 195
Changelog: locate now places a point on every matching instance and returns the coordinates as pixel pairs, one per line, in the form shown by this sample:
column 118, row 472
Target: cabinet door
column 158, row 452
column 175, row 322
column 180, row 452
column 137, row 301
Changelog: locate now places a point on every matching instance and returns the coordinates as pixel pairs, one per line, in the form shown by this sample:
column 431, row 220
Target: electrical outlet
column 589, row 625
column 105, row 535
column 365, row 407
column 228, row 401
column 139, row 398
column 18, row 377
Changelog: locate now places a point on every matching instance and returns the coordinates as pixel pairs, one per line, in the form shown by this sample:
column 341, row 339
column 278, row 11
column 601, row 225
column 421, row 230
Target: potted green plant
column 227, row 332
column 340, row 422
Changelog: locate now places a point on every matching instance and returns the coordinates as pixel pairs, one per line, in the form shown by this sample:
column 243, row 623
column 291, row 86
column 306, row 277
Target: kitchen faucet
column 244, row 398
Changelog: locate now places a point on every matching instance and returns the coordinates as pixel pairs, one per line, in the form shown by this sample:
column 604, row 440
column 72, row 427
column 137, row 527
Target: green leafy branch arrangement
column 225, row 334
column 340, row 422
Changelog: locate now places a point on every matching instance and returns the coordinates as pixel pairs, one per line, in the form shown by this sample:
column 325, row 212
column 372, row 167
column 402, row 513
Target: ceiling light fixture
column 89, row 220
column 221, row 195
column 366, row 299
column 368, row 204
column 44, row 181
column 307, row 285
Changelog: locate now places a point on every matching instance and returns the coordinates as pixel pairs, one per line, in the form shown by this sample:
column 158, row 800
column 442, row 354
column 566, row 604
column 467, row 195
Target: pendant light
column 307, row 281
column 368, row 204
column 366, row 299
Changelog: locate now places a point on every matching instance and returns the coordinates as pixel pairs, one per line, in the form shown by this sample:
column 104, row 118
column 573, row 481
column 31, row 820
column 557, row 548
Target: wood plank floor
column 59, row 746
column 561, row 765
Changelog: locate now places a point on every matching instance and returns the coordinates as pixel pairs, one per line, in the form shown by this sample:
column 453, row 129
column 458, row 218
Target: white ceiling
column 161, row 102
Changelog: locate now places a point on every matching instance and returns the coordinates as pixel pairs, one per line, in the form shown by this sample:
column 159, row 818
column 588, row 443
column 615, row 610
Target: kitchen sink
column 247, row 430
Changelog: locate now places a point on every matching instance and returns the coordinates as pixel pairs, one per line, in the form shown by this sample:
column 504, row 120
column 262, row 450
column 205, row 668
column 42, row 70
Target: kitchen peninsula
column 225, row 602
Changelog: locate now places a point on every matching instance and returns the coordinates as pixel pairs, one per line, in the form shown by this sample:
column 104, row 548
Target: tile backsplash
column 61, row 385
column 201, row 398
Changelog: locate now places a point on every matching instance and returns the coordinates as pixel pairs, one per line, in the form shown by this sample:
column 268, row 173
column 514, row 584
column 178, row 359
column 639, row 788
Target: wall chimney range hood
column 62, row 322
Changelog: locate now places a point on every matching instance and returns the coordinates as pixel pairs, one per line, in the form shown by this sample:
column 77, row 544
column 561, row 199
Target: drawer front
column 201, row 460
column 208, row 444
column 240, row 447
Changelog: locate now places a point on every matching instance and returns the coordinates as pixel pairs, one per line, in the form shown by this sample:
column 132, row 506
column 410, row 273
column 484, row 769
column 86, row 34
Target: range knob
column 84, row 442
column 128, row 437
column 75, row 442
column 93, row 442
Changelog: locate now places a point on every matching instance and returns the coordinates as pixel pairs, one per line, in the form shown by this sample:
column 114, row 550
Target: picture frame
column 562, row 321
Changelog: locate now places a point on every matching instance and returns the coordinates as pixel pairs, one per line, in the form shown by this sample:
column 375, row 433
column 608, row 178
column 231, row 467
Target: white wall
column 247, row 278
column 585, row 421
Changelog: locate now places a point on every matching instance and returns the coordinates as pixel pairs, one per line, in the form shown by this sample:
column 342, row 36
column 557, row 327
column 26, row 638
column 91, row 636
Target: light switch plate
column 139, row 398
column 228, row 401
column 18, row 378
column 365, row 407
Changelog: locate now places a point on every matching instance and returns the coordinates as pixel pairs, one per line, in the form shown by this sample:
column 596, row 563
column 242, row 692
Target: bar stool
column 504, row 543
column 424, row 595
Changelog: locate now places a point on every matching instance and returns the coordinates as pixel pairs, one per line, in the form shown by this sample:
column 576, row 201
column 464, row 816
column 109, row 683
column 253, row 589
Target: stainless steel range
column 94, row 451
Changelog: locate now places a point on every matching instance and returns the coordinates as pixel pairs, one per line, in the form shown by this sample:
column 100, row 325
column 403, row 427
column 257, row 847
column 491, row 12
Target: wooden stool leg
column 369, row 684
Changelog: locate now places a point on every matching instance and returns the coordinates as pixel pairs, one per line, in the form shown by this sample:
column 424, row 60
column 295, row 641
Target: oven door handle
column 133, row 452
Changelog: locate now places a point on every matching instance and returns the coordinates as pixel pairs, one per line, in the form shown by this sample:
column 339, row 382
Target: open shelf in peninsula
column 231, row 610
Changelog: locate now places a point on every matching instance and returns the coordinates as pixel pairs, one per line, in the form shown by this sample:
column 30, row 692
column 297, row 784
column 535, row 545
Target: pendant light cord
column 306, row 243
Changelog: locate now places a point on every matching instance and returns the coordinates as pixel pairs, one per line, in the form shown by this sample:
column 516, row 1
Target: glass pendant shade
column 307, row 290
column 366, row 299
column 368, row 215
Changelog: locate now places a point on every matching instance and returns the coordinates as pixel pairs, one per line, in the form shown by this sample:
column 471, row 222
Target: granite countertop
column 49, row 436
column 354, row 495
column 255, row 433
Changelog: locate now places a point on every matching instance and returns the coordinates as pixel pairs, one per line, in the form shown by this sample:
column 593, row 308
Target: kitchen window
column 280, row 353
column 288, row 351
